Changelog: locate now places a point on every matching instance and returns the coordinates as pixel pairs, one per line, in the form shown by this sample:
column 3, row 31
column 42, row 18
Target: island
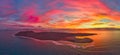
column 56, row 36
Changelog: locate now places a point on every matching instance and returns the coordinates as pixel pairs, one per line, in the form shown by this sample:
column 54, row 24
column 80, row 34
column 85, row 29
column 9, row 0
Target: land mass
column 56, row 36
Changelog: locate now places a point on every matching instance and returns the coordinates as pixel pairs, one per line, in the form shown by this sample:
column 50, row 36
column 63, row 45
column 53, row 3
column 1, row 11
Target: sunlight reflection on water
column 104, row 41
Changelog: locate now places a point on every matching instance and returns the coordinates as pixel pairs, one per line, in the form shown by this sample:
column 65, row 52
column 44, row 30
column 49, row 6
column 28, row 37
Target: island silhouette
column 56, row 36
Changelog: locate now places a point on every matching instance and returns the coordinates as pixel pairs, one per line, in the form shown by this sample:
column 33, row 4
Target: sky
column 60, row 13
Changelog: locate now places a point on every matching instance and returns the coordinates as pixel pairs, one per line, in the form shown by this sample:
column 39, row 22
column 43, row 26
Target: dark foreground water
column 105, row 43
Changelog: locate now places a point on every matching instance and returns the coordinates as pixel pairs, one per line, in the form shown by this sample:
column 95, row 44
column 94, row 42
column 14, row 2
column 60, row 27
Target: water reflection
column 106, row 42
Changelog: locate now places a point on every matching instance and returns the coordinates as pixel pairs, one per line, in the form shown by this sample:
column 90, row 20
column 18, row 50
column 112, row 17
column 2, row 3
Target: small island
column 56, row 36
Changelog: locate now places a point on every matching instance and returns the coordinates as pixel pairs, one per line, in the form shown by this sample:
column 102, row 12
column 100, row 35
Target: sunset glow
column 61, row 13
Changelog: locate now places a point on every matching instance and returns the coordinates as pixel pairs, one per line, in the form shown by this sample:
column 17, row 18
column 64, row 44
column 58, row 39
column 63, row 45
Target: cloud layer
column 53, row 13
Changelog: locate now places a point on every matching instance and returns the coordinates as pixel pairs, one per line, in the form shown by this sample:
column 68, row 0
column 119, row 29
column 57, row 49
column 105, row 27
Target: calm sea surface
column 104, row 43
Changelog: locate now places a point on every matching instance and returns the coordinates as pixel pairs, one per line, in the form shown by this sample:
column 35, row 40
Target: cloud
column 53, row 13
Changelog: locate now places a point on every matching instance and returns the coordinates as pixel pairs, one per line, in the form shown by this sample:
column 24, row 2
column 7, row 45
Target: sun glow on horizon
column 71, row 14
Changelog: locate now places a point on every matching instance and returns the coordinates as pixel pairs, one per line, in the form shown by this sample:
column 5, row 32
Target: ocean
column 106, row 42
